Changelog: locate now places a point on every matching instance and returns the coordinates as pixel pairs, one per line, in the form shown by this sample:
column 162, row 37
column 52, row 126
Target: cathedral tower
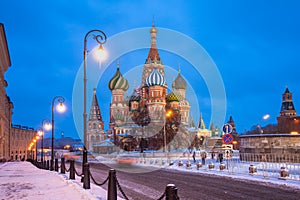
column 118, row 107
column 179, row 86
column 95, row 130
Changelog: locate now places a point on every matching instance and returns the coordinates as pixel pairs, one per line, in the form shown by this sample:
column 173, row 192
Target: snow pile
column 22, row 180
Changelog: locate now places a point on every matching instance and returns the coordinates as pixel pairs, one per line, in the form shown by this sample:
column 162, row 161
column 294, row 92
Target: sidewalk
column 22, row 180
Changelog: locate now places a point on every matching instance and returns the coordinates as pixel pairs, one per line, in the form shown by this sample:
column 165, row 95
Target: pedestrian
column 220, row 157
column 194, row 156
column 203, row 157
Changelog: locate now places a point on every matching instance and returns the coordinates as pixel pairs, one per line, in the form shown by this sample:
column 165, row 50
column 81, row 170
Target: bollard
column 171, row 192
column 47, row 165
column 56, row 165
column 222, row 166
column 188, row 164
column 180, row 163
column 62, row 166
column 86, row 176
column 112, row 185
column 44, row 164
column 72, row 169
column 211, row 165
column 252, row 169
column 284, row 172
column 199, row 165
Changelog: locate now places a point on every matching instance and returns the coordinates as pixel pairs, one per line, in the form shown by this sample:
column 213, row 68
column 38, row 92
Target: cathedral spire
column 201, row 124
column 153, row 53
column 95, row 114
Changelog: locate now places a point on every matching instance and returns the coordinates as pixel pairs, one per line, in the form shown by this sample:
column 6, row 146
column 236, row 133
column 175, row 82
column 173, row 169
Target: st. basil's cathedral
column 148, row 119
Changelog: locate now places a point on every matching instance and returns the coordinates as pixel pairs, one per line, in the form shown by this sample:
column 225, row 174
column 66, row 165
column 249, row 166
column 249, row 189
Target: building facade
column 5, row 105
column 14, row 141
column 21, row 137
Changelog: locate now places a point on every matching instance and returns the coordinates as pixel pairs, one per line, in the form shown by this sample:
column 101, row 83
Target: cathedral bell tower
column 95, row 130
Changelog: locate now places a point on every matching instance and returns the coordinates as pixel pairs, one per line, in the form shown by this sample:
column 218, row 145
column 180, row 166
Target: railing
column 170, row 192
column 285, row 166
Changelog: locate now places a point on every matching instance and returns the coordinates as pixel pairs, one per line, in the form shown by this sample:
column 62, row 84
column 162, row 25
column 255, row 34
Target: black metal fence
column 170, row 192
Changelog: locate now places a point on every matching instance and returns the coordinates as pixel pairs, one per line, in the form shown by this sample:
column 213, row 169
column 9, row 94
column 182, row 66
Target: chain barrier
column 77, row 172
column 121, row 190
column 67, row 170
column 96, row 183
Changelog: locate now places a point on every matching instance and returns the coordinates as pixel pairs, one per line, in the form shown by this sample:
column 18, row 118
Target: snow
column 22, row 180
column 267, row 173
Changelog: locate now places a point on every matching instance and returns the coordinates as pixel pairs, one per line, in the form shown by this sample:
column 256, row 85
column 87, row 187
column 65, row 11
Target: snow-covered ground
column 266, row 172
column 22, row 180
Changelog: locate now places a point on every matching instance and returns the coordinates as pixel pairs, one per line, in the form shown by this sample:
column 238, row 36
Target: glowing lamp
column 61, row 108
column 100, row 54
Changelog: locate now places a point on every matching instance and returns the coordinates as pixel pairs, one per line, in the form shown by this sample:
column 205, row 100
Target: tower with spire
column 287, row 105
column 95, row 130
column 288, row 122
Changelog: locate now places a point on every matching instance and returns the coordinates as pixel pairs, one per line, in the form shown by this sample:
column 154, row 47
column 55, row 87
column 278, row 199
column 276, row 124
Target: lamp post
column 167, row 115
column 45, row 126
column 41, row 134
column 36, row 139
column 100, row 38
column 60, row 108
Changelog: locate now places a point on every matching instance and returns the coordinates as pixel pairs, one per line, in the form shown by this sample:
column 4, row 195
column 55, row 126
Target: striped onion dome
column 179, row 82
column 135, row 96
column 118, row 81
column 155, row 78
column 172, row 97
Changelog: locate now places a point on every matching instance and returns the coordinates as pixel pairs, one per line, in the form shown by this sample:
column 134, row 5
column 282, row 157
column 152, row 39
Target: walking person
column 203, row 157
column 194, row 156
column 220, row 157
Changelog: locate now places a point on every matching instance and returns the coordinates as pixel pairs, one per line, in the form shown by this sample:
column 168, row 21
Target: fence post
column 47, row 165
column 62, row 166
column 56, row 165
column 112, row 185
column 171, row 192
column 86, row 176
column 72, row 170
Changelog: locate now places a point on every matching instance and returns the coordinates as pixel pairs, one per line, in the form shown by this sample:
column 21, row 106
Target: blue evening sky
column 255, row 45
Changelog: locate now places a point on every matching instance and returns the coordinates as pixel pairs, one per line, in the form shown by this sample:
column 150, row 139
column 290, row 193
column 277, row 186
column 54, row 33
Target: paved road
column 144, row 186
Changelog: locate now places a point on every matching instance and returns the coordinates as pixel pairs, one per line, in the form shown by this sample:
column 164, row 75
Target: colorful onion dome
column 172, row 97
column 135, row 96
column 179, row 82
column 118, row 81
column 155, row 78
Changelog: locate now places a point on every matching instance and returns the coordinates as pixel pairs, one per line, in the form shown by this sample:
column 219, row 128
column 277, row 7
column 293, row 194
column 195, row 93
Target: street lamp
column 45, row 126
column 41, row 134
column 37, row 137
column 100, row 38
column 168, row 114
column 60, row 108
